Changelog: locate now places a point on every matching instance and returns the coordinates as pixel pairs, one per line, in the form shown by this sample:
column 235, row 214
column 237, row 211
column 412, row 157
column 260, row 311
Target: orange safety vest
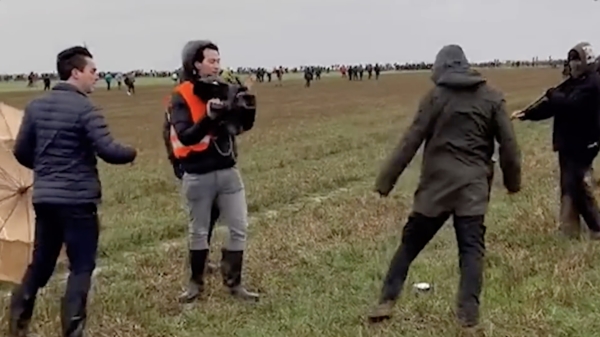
column 198, row 111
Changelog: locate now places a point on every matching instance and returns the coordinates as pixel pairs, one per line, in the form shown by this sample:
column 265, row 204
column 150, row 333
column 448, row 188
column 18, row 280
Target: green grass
column 320, row 240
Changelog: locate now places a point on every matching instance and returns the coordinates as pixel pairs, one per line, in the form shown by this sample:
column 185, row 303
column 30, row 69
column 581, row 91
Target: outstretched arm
column 409, row 144
column 510, row 155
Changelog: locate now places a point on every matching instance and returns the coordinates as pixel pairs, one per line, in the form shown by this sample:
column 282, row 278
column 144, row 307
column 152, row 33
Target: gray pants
column 227, row 188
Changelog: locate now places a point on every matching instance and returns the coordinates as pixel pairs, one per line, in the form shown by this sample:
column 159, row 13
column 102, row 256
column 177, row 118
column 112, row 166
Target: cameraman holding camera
column 203, row 133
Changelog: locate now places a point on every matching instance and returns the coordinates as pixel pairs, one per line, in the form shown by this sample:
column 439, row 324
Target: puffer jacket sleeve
column 104, row 144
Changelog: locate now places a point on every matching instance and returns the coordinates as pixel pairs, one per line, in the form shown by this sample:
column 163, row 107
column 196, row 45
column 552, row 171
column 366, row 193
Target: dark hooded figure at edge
column 206, row 151
column 459, row 120
column 575, row 106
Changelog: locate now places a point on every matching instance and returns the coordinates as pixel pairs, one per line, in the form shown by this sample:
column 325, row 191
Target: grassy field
column 320, row 240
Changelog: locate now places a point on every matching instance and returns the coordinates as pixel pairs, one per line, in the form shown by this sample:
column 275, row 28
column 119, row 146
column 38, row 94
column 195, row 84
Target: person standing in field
column 279, row 73
column 207, row 152
column 130, row 83
column 108, row 77
column 458, row 120
column 308, row 76
column 61, row 134
column 46, row 82
column 575, row 106
column 377, row 70
column 178, row 171
column 119, row 79
column 567, row 210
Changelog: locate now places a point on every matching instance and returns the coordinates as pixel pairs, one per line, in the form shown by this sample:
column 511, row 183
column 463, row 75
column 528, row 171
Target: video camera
column 236, row 101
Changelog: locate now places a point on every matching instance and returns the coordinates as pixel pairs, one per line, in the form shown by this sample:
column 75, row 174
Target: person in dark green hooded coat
column 458, row 120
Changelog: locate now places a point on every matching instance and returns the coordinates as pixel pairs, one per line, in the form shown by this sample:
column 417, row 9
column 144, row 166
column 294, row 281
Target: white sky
column 149, row 34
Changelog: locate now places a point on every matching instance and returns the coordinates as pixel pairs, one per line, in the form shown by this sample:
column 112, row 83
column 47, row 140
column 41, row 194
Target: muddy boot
column 196, row 285
column 231, row 270
column 74, row 305
column 570, row 224
column 20, row 312
column 468, row 315
column 382, row 312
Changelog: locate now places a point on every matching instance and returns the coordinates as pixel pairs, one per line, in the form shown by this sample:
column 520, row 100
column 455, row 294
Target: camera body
column 236, row 103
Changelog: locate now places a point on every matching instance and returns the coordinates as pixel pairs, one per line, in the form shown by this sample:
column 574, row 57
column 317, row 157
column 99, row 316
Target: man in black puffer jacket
column 61, row 134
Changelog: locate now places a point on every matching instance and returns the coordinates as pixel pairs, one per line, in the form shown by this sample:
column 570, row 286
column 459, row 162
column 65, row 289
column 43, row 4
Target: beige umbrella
column 16, row 211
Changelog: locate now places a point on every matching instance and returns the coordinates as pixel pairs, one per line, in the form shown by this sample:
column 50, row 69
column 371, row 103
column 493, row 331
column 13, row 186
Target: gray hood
column 187, row 58
column 586, row 55
column 452, row 69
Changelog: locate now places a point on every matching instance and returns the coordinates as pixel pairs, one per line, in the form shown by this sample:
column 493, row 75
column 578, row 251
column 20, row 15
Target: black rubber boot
column 74, row 305
column 195, row 287
column 212, row 267
column 20, row 311
column 73, row 318
column 231, row 269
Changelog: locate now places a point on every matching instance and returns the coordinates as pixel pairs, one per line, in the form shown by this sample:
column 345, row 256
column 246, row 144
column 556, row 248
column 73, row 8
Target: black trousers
column 418, row 231
column 573, row 170
column 77, row 227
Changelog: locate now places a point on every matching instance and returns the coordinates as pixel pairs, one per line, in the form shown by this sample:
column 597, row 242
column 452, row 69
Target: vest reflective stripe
column 198, row 111
column 180, row 148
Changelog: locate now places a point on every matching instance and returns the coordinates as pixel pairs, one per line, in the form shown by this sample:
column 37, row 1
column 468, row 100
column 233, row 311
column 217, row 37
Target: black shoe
column 381, row 312
column 231, row 269
column 195, row 287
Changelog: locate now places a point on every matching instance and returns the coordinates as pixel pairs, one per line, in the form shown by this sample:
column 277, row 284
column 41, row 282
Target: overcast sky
column 149, row 34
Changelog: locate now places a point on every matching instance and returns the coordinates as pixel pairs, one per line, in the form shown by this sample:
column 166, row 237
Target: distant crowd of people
column 265, row 75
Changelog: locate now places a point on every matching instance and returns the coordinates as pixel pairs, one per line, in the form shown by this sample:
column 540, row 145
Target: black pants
column 418, row 231
column 573, row 170
column 76, row 226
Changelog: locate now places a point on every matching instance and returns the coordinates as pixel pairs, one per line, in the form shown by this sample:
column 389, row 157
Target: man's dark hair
column 200, row 52
column 69, row 59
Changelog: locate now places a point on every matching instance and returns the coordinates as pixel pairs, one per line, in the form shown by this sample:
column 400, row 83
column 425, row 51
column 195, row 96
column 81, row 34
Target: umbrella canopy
column 10, row 121
column 16, row 210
